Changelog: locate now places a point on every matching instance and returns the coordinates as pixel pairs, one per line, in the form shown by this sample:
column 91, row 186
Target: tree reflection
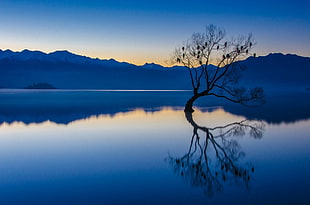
column 214, row 155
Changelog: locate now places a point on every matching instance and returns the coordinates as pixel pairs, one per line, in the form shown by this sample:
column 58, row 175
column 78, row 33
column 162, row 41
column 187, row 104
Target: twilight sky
column 143, row 31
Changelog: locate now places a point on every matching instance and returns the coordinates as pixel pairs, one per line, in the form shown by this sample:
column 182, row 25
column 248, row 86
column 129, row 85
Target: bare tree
column 212, row 62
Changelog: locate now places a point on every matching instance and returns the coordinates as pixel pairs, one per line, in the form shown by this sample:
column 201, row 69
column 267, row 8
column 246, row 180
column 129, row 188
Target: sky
column 141, row 32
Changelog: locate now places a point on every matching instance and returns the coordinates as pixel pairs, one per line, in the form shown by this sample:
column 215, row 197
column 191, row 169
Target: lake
column 139, row 147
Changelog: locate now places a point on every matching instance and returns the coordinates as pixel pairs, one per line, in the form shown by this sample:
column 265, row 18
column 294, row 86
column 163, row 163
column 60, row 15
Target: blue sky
column 148, row 31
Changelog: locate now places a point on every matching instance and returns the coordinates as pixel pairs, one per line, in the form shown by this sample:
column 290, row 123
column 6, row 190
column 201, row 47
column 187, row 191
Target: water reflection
column 119, row 160
column 215, row 157
column 66, row 106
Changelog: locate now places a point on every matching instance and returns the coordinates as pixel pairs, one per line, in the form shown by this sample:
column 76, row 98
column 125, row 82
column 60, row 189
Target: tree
column 212, row 62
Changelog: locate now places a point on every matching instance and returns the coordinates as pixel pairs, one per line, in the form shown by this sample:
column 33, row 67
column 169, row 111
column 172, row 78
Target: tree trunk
column 190, row 102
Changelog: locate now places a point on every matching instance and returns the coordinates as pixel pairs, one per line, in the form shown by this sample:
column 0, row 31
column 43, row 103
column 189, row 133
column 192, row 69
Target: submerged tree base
column 189, row 104
column 189, row 110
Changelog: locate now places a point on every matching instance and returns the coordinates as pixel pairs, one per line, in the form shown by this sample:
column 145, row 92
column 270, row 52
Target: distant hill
column 63, row 69
column 277, row 70
column 40, row 86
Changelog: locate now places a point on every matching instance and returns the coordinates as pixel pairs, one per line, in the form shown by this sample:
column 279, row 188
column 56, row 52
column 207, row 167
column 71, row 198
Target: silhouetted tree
column 221, row 78
column 214, row 156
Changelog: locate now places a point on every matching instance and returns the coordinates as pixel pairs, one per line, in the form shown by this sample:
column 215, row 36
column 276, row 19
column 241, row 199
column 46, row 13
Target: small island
column 40, row 86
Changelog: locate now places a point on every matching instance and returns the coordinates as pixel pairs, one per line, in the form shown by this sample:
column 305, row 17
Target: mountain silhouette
column 277, row 70
column 66, row 70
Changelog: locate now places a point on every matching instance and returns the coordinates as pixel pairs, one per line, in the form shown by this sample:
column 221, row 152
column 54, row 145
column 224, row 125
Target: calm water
column 120, row 147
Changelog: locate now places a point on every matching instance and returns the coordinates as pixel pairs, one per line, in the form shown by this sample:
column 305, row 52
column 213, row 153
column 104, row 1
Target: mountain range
column 66, row 70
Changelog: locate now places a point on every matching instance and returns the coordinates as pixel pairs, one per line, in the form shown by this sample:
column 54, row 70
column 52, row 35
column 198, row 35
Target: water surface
column 90, row 147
